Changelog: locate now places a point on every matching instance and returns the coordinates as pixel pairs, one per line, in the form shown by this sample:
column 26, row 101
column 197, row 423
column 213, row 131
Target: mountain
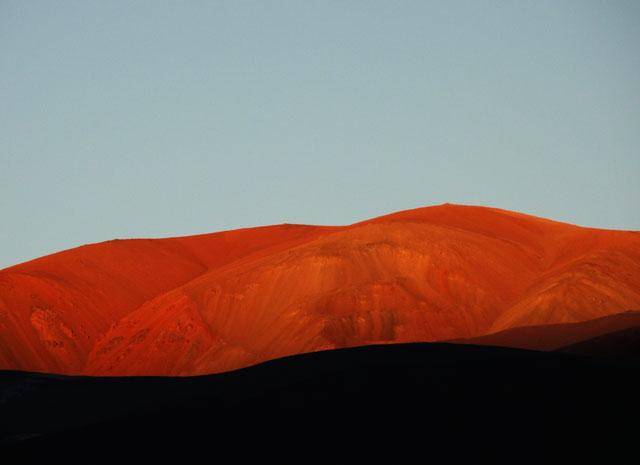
column 217, row 302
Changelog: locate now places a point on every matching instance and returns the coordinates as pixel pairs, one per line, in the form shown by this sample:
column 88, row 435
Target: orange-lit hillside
column 215, row 302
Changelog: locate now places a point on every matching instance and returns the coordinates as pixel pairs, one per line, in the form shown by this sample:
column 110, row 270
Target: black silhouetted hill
column 367, row 403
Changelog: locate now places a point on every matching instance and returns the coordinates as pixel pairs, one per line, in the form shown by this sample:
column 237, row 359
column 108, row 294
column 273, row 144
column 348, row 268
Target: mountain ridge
column 214, row 302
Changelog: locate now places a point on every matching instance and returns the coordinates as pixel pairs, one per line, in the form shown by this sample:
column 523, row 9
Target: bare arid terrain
column 218, row 302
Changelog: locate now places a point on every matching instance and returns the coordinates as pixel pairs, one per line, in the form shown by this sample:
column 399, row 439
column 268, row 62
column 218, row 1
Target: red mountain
column 215, row 302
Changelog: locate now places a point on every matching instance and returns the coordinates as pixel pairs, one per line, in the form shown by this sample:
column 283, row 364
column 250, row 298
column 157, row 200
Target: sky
column 155, row 119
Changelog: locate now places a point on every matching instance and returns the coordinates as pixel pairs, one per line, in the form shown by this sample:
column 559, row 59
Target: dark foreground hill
column 418, row 401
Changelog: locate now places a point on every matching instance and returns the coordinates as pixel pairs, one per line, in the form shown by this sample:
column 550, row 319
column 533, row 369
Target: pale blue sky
column 151, row 119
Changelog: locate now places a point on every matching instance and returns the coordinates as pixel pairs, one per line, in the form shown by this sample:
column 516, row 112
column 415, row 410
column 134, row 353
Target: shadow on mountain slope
column 559, row 335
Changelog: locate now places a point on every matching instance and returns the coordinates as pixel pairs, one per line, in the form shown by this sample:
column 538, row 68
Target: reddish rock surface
column 216, row 302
